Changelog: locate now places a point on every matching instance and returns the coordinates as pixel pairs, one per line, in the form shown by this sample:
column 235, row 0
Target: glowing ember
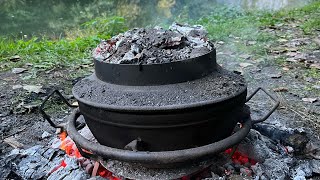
column 70, row 148
column 239, row 158
column 106, row 174
column 62, row 164
column 185, row 178
column 66, row 144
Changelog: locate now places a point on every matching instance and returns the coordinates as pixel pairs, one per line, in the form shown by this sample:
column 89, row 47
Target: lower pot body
column 165, row 130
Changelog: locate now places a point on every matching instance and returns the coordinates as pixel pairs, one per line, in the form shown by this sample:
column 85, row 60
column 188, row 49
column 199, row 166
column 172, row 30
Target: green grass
column 238, row 29
column 44, row 53
column 307, row 17
column 229, row 23
column 311, row 25
column 313, row 73
column 222, row 25
column 75, row 48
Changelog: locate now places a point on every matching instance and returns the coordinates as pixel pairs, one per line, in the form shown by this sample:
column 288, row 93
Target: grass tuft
column 46, row 53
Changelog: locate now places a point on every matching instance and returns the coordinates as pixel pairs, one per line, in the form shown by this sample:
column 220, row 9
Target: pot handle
column 275, row 106
column 45, row 115
column 97, row 151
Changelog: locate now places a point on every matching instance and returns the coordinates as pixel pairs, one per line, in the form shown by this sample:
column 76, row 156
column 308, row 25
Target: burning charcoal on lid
column 154, row 46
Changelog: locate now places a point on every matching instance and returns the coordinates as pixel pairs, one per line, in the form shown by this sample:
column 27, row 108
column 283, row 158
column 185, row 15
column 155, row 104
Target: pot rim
column 213, row 50
column 167, row 108
column 158, row 73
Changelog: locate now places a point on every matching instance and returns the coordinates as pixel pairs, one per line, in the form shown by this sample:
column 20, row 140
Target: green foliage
column 222, row 24
column 310, row 25
column 48, row 17
column 47, row 53
column 225, row 23
column 312, row 72
column 105, row 27
column 307, row 15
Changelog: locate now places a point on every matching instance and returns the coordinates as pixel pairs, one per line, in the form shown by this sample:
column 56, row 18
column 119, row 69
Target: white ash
column 302, row 170
column 315, row 166
column 154, row 46
column 45, row 134
column 257, row 146
column 274, row 160
column 273, row 168
column 70, row 172
column 38, row 161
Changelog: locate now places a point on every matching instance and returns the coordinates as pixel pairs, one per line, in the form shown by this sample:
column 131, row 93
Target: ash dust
column 19, row 116
column 218, row 85
column 154, row 45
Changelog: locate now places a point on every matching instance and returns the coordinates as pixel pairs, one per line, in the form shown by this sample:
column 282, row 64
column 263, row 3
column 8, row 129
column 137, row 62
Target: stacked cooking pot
column 162, row 113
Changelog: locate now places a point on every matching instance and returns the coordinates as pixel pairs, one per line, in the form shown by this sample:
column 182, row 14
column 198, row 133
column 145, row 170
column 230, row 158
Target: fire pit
column 158, row 98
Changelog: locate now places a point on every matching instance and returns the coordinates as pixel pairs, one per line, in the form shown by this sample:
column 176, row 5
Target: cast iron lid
column 176, row 85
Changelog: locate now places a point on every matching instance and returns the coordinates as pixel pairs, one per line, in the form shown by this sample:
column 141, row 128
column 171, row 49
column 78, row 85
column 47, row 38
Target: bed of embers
column 268, row 152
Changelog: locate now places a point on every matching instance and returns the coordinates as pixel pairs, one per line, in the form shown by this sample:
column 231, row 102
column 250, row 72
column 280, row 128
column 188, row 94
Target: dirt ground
column 19, row 113
column 289, row 70
column 289, row 80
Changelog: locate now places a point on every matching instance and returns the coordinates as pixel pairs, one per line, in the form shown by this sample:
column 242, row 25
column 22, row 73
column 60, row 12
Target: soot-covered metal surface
column 218, row 85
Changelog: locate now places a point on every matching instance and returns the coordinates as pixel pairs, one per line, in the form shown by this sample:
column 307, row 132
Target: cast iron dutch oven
column 163, row 107
column 161, row 114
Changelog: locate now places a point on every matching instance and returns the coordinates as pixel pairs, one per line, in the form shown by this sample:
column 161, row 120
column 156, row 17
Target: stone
column 45, row 134
column 18, row 86
column 33, row 88
column 244, row 65
column 315, row 165
column 18, row 70
column 15, row 58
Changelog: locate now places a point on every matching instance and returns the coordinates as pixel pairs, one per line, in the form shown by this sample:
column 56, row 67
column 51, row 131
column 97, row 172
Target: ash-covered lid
column 217, row 86
column 155, row 45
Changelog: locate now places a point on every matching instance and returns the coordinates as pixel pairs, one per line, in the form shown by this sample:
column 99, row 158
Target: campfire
column 158, row 106
column 258, row 155
column 69, row 147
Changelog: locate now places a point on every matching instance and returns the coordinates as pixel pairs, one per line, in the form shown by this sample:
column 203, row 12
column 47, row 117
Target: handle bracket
column 274, row 107
column 45, row 115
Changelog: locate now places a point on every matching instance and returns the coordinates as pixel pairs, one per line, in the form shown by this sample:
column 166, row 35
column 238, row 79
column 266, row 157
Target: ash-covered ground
column 290, row 82
column 154, row 45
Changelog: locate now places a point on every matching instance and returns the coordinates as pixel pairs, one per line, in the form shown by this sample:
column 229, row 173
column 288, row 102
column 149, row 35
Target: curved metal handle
column 275, row 106
column 45, row 115
column 154, row 158
column 87, row 154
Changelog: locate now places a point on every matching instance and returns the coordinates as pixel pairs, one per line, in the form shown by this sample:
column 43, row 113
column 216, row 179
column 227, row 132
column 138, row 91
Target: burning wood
column 90, row 166
column 13, row 142
column 62, row 160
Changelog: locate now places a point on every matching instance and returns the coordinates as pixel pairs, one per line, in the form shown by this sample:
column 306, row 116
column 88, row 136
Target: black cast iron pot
column 120, row 103
column 166, row 113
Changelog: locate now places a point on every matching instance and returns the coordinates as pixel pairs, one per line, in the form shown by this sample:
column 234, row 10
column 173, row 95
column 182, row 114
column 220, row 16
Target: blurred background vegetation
column 52, row 18
column 59, row 32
